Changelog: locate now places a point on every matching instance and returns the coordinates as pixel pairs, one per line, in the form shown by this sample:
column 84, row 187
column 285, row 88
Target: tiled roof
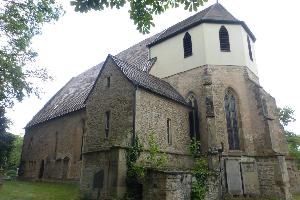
column 73, row 95
column 69, row 98
column 148, row 81
column 216, row 13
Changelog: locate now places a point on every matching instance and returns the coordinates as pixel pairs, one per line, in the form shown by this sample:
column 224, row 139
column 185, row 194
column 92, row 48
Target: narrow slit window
column 249, row 48
column 108, row 81
column 107, row 118
column 224, row 39
column 187, row 45
column 169, row 136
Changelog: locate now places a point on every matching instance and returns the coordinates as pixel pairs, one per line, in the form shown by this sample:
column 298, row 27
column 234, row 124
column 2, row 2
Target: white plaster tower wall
column 206, row 50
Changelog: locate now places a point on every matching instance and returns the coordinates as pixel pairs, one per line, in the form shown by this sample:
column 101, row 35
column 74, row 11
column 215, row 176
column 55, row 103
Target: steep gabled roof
column 72, row 96
column 148, row 81
column 216, row 13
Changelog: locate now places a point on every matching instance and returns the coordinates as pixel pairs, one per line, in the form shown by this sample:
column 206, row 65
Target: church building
column 197, row 79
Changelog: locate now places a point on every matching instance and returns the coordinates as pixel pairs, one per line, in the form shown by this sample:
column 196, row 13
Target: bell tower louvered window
column 249, row 48
column 232, row 120
column 224, row 39
column 187, row 45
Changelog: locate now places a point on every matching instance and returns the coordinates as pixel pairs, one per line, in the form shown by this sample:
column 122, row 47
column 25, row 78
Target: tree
column 286, row 116
column 6, row 145
column 141, row 11
column 20, row 21
column 15, row 154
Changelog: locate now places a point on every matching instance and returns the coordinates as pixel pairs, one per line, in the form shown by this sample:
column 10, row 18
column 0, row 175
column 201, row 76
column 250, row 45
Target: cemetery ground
column 26, row 190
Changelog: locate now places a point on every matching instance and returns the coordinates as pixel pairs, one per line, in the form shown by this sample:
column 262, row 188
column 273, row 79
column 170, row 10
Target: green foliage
column 134, row 170
column 137, row 170
column 6, row 146
column 133, row 154
column 286, row 116
column 11, row 173
column 15, row 154
column 195, row 147
column 141, row 11
column 155, row 159
column 28, row 190
column 20, row 22
column 200, row 171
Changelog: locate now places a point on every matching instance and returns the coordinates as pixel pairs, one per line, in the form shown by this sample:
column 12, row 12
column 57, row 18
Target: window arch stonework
column 232, row 119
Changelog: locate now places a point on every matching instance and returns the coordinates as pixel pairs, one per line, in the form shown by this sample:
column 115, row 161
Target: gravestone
column 234, row 178
column 250, row 178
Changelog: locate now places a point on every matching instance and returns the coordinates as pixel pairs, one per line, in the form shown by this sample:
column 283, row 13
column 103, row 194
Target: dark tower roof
column 215, row 13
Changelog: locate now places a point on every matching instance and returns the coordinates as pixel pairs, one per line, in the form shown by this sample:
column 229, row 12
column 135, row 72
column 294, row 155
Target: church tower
column 209, row 59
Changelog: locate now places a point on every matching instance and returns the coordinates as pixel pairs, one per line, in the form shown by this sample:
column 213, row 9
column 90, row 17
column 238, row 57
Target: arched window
column 249, row 48
column 194, row 118
column 231, row 110
column 224, row 39
column 187, row 45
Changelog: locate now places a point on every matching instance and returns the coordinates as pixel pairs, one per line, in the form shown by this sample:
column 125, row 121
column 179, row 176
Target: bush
column 11, row 173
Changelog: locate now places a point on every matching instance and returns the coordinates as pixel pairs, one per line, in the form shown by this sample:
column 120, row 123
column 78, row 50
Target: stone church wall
column 273, row 179
column 294, row 175
column 168, row 185
column 118, row 99
column 104, row 163
column 55, row 144
column 191, row 83
column 152, row 113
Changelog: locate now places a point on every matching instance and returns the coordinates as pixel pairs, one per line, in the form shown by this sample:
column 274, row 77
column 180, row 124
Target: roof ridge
column 138, row 69
column 228, row 11
column 209, row 9
column 154, row 78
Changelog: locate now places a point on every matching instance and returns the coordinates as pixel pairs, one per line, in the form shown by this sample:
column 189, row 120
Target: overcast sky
column 79, row 41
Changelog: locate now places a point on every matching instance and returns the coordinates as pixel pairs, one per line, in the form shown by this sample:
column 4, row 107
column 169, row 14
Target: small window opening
column 249, row 48
column 169, row 137
column 187, row 45
column 107, row 116
column 108, row 81
column 224, row 39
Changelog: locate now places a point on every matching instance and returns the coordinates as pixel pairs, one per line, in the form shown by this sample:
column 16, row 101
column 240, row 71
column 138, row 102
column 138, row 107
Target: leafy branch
column 141, row 11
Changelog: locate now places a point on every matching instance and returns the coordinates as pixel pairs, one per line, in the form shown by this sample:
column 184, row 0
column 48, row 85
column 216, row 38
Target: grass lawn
column 24, row 190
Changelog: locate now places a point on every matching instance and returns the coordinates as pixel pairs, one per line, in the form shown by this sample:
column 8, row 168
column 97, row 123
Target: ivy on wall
column 136, row 171
column 200, row 171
